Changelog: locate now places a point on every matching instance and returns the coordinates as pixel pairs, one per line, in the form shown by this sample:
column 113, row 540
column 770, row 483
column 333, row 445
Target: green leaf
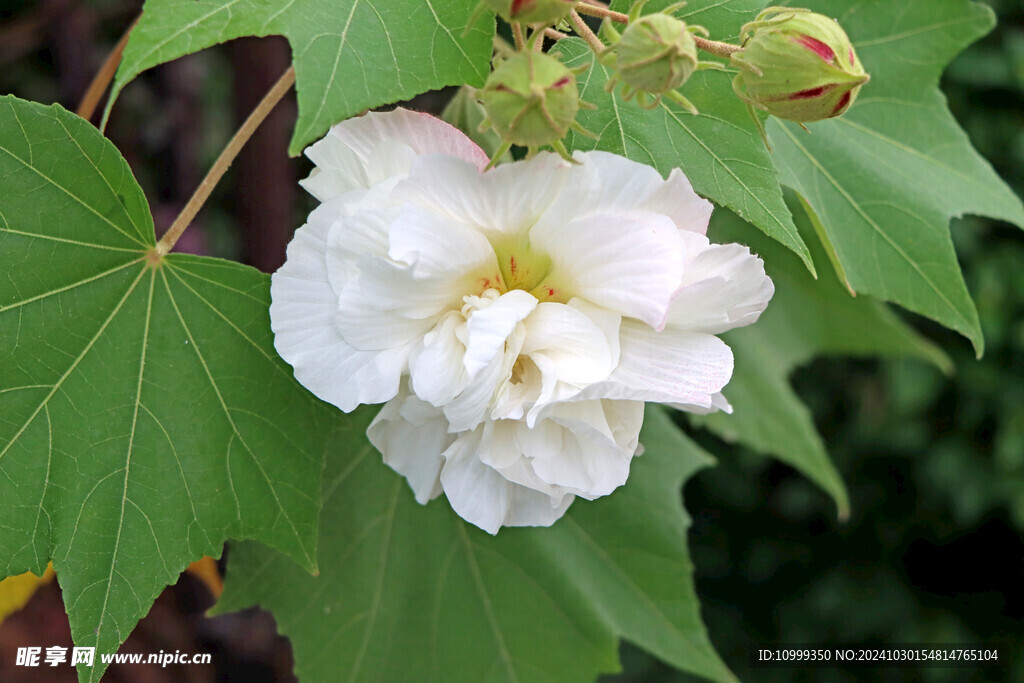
column 719, row 150
column 349, row 55
column 414, row 593
column 144, row 416
column 885, row 178
column 806, row 318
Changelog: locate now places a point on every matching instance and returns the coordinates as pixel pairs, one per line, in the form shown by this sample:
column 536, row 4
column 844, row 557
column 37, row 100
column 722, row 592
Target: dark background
column 932, row 551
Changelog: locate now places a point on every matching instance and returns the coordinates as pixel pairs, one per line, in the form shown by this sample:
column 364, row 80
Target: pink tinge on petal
column 818, row 47
column 424, row 133
column 853, row 60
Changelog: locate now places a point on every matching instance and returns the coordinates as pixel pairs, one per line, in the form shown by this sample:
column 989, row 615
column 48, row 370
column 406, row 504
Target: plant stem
column 517, row 33
column 223, row 162
column 600, row 11
column 103, row 77
column 555, row 35
column 585, row 33
column 716, row 48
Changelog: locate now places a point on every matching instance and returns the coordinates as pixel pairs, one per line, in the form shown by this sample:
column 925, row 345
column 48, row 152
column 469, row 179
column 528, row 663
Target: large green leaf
column 349, row 55
column 719, row 150
column 806, row 318
column 144, row 417
column 414, row 593
column 885, row 178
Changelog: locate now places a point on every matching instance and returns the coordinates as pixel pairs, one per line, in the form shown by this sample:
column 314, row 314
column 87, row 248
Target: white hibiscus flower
column 514, row 320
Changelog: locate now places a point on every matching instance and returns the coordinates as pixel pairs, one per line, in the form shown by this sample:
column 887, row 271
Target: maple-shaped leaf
column 144, row 416
column 414, row 593
column 349, row 55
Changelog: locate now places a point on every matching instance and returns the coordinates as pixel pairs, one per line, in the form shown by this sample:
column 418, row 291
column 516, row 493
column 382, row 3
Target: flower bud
column 797, row 65
column 656, row 54
column 531, row 11
column 531, row 99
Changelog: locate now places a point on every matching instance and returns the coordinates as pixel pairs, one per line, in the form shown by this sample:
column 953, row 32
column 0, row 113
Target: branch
column 104, row 76
column 223, row 162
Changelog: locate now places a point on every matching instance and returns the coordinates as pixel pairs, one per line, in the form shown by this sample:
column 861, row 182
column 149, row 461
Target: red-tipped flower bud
column 531, row 99
column 797, row 65
column 531, row 11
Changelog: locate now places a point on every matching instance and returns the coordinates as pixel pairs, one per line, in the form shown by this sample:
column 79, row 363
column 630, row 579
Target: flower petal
column 724, row 286
column 507, row 199
column 437, row 244
column 628, row 264
column 483, row 497
column 607, row 184
column 424, row 133
column 592, row 462
column 411, row 435
column 436, row 372
column 489, row 328
column 304, row 315
column 671, row 366
column 580, row 339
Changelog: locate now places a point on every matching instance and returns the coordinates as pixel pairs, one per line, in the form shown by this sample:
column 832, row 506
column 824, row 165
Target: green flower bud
column 797, row 65
column 531, row 99
column 531, row 11
column 656, row 54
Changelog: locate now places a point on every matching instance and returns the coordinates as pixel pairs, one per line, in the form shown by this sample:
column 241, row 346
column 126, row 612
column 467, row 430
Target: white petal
column 483, row 497
column 671, row 366
column 507, row 199
column 411, row 435
column 338, row 169
column 303, row 316
column 398, row 289
column 436, row 244
column 493, row 341
column 718, row 402
column 599, row 442
column 724, row 286
column 677, row 200
column 629, row 264
column 436, row 372
column 489, row 328
column 424, row 133
column 582, row 344
column 367, row 326
column 609, row 184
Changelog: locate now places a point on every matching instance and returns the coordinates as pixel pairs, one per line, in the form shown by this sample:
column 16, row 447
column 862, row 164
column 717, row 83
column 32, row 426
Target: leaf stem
column 715, row 47
column 555, row 35
column 517, row 33
column 202, row 193
column 100, row 82
column 585, row 33
column 596, row 10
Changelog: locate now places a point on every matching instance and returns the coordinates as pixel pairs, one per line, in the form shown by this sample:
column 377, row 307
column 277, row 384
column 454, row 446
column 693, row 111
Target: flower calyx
column 531, row 100
column 797, row 65
column 653, row 56
column 545, row 12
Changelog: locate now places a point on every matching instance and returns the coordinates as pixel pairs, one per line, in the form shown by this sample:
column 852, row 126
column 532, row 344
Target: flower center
column 523, row 267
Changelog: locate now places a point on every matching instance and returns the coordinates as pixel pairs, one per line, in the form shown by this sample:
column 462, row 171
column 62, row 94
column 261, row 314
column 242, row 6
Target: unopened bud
column 531, row 99
column 797, row 65
column 656, row 54
column 531, row 11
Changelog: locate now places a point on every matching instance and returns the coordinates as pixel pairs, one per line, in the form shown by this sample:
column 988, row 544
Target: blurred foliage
column 935, row 465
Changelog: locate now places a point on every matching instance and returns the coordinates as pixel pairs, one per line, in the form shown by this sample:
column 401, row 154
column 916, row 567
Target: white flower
column 515, row 320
